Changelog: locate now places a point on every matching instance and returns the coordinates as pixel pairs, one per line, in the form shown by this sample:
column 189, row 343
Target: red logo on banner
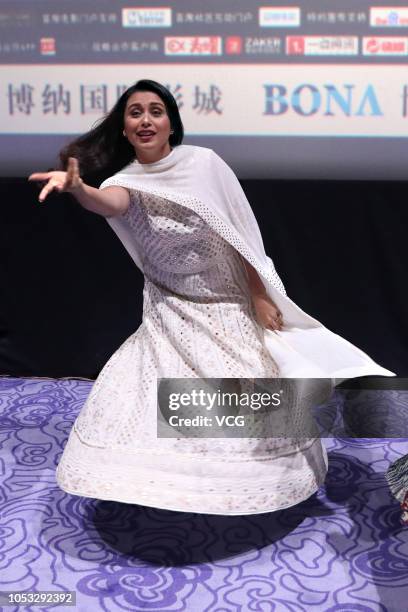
column 47, row 46
column 233, row 45
column 385, row 46
column 175, row 45
column 193, row 45
column 373, row 45
column 295, row 45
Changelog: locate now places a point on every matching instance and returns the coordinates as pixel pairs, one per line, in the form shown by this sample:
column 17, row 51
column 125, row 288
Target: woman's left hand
column 267, row 313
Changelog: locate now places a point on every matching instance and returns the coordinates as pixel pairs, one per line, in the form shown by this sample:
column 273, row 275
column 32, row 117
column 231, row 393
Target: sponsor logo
column 233, row 45
column 47, row 46
column 389, row 17
column 322, row 45
column 308, row 99
column 159, row 17
column 192, row 45
column 385, row 45
column 279, row 17
column 257, row 45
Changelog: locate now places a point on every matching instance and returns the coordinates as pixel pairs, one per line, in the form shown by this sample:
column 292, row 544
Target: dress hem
column 223, row 513
column 257, row 490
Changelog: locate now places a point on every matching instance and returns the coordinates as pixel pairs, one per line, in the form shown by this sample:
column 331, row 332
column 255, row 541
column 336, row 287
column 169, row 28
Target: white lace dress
column 198, row 321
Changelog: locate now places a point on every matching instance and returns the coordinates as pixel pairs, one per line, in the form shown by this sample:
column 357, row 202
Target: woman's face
column 147, row 126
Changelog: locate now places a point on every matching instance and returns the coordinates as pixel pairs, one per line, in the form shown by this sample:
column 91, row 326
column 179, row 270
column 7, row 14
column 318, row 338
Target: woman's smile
column 145, row 135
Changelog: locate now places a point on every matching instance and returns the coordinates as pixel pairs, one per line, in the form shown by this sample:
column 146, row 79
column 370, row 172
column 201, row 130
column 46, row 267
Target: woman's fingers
column 45, row 191
column 70, row 171
column 50, row 186
column 72, row 179
column 73, row 163
column 268, row 314
column 40, row 176
column 271, row 324
column 57, row 179
column 275, row 324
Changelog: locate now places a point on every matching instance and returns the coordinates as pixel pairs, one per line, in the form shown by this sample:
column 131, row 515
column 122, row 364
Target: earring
column 124, row 133
column 171, row 131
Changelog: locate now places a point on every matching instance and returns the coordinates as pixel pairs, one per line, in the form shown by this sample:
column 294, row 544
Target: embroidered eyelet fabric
column 198, row 321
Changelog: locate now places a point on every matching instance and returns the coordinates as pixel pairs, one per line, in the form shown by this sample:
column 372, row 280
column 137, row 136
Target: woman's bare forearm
column 267, row 313
column 107, row 202
column 255, row 283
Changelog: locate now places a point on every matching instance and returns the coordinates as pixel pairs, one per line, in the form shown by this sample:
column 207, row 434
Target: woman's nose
column 145, row 119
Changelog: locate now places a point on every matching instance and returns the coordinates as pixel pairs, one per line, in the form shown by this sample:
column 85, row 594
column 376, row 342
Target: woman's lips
column 146, row 137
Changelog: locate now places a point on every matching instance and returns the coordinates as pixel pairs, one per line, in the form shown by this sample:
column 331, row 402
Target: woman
column 214, row 306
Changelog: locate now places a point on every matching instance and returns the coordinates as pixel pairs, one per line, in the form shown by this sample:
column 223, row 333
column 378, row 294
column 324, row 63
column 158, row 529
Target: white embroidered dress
column 198, row 321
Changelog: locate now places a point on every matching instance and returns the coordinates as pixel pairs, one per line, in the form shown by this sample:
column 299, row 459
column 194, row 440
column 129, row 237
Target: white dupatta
column 199, row 179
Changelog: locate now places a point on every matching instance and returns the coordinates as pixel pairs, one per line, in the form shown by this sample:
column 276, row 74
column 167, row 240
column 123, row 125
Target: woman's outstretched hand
column 59, row 180
column 267, row 313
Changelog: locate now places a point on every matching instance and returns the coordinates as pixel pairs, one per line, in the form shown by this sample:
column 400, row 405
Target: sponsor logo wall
column 226, row 32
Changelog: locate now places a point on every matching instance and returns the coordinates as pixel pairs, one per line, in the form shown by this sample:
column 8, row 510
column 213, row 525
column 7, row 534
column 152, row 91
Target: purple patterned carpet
column 343, row 549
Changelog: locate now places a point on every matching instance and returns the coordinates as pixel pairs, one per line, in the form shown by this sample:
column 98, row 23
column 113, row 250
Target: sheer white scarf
column 199, row 179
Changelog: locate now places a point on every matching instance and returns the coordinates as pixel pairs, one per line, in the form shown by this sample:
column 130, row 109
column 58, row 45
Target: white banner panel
column 265, row 100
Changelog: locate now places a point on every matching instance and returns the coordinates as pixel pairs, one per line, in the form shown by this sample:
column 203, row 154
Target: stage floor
column 341, row 550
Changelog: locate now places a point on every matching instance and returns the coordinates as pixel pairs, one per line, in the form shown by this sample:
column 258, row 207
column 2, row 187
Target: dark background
column 70, row 294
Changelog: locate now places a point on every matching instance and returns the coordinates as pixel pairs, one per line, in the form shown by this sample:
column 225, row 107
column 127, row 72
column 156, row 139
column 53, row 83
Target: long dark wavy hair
column 104, row 150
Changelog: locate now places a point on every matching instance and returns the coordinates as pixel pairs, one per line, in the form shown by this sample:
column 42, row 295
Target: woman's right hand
column 60, row 181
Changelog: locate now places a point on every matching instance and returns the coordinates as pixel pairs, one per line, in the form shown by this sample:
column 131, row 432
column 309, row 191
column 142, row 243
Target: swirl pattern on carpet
column 341, row 550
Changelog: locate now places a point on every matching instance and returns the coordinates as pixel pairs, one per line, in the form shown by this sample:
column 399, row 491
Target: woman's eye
column 155, row 113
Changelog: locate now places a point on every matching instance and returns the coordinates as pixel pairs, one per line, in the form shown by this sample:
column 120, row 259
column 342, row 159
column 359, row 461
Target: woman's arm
column 107, row 202
column 267, row 313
